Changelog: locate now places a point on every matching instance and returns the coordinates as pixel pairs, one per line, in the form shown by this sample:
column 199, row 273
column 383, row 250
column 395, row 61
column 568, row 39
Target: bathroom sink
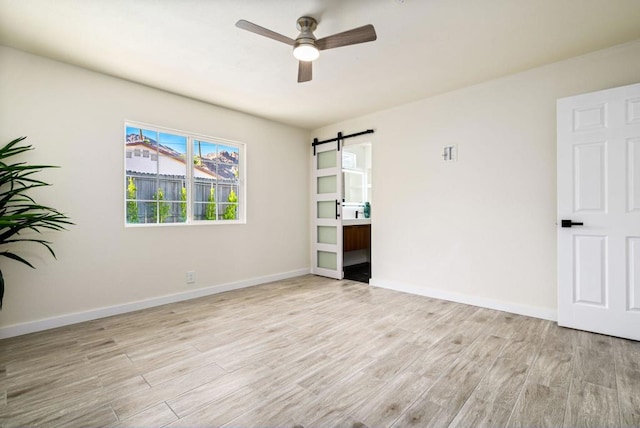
column 355, row 221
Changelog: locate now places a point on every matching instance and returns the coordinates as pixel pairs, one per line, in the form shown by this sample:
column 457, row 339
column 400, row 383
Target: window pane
column 327, row 209
column 204, row 196
column 327, row 184
column 327, row 260
column 228, row 211
column 228, row 160
column 204, row 211
column 172, row 213
column 227, row 192
column 147, row 212
column 172, row 152
column 326, row 159
column 133, row 211
column 327, row 235
column 204, row 155
column 140, row 142
column 176, row 144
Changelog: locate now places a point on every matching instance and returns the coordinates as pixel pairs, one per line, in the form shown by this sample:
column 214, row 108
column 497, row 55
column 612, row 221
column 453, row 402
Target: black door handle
column 569, row 223
column 337, row 206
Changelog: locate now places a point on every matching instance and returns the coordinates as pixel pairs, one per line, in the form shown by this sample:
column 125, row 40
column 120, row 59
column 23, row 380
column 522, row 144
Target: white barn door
column 599, row 212
column 326, row 211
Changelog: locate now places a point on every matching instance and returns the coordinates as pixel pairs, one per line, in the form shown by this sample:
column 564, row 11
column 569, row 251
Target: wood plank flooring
column 315, row 352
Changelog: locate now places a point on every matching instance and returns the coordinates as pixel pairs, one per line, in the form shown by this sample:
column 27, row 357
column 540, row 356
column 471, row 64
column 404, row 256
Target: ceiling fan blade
column 305, row 71
column 362, row 34
column 250, row 26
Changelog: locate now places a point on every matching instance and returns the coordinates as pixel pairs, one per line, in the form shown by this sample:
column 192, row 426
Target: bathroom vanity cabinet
column 356, row 237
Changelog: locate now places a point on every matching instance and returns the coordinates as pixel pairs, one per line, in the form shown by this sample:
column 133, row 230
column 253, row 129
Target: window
column 181, row 178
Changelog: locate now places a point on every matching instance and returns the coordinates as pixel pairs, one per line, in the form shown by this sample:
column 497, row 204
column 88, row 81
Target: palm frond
column 47, row 244
column 16, row 257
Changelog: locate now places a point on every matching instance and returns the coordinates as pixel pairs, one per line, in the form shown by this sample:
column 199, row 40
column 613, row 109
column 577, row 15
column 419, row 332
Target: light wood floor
column 313, row 352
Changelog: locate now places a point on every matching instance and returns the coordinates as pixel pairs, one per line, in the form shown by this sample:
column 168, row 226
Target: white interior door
column 327, row 225
column 599, row 188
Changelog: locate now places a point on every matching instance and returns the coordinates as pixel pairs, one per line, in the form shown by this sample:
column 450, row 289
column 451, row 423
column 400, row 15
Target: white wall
column 75, row 119
column 480, row 230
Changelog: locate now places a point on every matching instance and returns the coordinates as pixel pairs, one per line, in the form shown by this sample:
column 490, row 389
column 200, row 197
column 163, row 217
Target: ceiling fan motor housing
column 307, row 23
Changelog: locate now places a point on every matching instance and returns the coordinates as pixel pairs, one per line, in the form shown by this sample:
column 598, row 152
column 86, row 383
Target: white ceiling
column 424, row 47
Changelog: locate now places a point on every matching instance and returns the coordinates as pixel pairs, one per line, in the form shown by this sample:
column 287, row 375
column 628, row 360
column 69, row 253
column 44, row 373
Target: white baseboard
column 514, row 308
column 74, row 318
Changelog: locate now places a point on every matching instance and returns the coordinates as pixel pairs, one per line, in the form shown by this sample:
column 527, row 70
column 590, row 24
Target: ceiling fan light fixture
column 305, row 51
column 306, row 48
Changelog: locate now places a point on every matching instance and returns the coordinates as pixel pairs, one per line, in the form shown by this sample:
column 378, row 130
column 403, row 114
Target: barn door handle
column 569, row 223
column 337, row 206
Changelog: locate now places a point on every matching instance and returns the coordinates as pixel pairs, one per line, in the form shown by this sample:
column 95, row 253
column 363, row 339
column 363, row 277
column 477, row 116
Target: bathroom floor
column 360, row 272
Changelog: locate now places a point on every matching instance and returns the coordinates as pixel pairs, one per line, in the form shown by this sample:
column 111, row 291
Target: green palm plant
column 19, row 212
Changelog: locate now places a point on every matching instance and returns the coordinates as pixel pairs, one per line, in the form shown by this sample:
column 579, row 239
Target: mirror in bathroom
column 356, row 174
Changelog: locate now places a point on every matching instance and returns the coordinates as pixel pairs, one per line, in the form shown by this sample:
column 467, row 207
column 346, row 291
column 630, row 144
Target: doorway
column 357, row 195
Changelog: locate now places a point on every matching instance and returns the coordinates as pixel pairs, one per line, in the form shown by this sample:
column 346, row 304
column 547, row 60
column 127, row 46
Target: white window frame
column 241, row 209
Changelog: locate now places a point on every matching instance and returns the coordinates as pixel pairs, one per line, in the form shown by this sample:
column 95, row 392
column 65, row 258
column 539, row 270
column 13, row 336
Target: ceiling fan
column 306, row 47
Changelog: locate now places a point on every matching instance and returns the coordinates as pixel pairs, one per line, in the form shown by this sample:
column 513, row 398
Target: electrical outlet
column 191, row 277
